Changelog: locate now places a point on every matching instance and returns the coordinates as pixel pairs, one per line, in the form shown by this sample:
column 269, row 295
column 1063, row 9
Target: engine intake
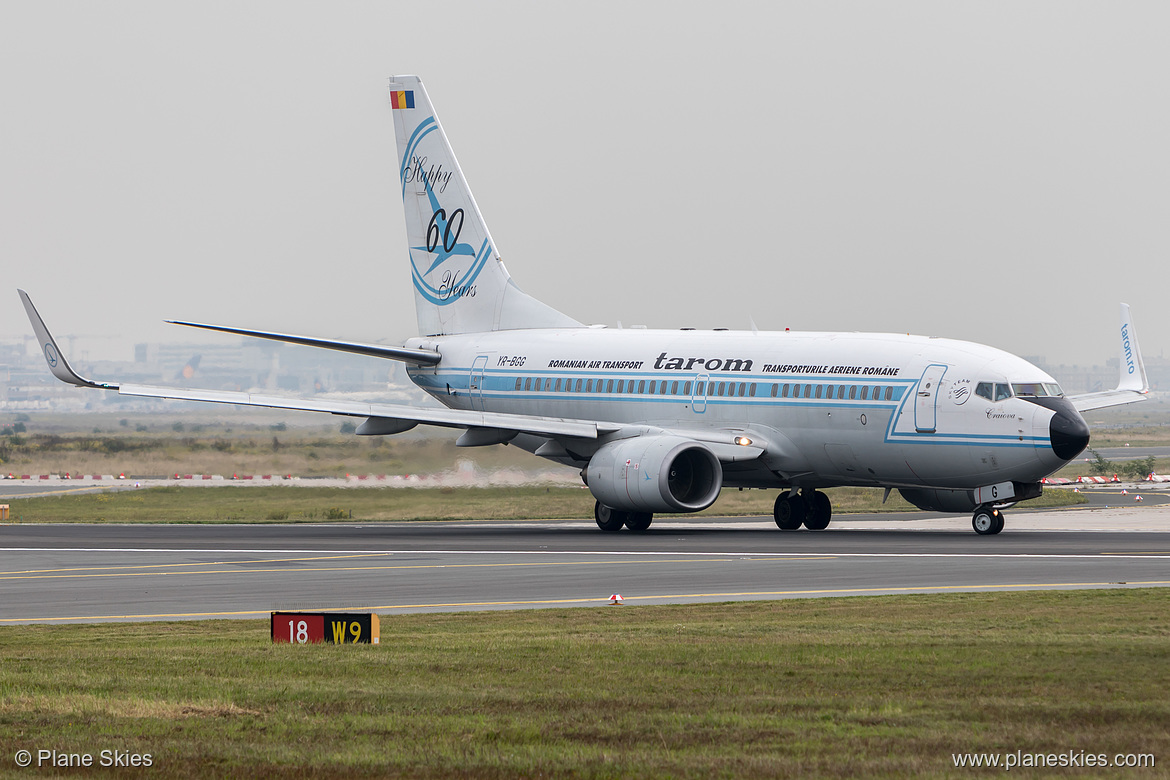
column 655, row 474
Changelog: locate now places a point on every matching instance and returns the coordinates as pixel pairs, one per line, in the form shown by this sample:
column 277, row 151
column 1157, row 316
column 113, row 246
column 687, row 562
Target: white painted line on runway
column 614, row 553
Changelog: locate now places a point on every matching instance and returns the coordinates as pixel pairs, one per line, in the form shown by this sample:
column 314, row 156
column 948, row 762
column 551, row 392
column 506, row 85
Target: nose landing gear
column 987, row 520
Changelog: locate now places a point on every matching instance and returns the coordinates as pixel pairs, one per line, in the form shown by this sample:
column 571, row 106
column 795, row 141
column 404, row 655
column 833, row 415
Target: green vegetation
column 236, row 503
column 882, row 686
column 1132, row 469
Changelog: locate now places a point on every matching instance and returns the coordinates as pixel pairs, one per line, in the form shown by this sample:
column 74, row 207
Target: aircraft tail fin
column 1133, row 368
column 460, row 282
column 1132, row 385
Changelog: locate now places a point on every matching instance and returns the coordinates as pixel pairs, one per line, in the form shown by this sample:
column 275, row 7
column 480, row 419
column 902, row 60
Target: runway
column 85, row 573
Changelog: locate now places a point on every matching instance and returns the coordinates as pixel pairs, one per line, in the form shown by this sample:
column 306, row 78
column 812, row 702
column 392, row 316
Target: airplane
column 663, row 420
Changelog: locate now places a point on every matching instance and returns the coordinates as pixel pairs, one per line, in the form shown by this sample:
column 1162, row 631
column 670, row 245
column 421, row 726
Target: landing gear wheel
column 987, row 521
column 608, row 519
column 639, row 521
column 789, row 511
column 820, row 511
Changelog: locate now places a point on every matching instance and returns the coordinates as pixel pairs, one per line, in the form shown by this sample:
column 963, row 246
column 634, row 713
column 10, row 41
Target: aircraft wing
column 1133, row 385
column 383, row 414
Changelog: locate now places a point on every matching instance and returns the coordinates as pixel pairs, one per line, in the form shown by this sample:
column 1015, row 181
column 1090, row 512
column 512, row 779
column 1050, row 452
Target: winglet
column 57, row 363
column 1133, row 368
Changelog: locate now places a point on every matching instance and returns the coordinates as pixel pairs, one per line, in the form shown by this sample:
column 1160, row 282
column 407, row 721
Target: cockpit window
column 984, row 390
column 1002, row 391
column 1037, row 389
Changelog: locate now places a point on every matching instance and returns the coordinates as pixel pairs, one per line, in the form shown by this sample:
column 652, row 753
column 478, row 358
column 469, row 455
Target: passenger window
column 686, row 388
column 621, row 385
column 775, row 390
column 852, row 392
column 785, row 391
column 517, row 383
column 588, row 385
column 578, row 386
column 820, row 389
column 528, row 383
column 1002, row 391
column 795, row 391
column 557, row 386
column 609, row 386
column 674, row 388
column 808, row 391
column 641, row 387
column 742, row 389
column 877, row 393
column 752, row 390
column 652, row 383
column 864, row 393
column 889, row 393
column 841, row 391
column 699, row 387
column 662, row 388
column 722, row 388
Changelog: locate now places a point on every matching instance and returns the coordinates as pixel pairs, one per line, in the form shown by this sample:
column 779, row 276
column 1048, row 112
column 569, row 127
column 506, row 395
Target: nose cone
column 1068, row 430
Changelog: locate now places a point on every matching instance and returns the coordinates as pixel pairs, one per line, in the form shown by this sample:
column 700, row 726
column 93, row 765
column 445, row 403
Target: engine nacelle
column 655, row 474
column 938, row 500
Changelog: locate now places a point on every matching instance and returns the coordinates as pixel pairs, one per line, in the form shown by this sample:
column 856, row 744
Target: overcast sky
column 998, row 172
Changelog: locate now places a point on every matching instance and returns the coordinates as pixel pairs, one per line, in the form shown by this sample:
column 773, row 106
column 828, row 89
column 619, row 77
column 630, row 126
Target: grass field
column 230, row 503
column 226, row 443
column 880, row 686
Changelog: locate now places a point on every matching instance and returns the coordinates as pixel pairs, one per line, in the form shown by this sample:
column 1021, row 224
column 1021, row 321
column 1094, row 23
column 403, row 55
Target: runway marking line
column 63, row 576
column 605, row 600
column 207, row 563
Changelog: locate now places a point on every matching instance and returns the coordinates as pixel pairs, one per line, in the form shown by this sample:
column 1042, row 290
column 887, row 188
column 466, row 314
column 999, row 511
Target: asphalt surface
column 63, row 573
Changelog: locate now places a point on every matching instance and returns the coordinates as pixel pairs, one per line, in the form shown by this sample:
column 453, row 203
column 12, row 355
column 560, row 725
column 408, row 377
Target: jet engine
column 655, row 474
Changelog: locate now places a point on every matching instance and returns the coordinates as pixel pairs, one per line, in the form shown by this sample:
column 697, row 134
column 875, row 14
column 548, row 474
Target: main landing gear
column 987, row 520
column 810, row 508
column 612, row 520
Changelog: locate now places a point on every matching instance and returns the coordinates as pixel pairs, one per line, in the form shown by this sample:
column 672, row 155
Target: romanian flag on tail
column 402, row 99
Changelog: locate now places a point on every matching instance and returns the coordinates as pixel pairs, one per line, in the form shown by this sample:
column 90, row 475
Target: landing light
column 743, row 441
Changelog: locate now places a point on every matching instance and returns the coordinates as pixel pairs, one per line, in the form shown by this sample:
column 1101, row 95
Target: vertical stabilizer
column 1133, row 368
column 460, row 283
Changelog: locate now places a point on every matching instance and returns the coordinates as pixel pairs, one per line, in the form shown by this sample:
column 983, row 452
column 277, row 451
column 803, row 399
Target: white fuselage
column 832, row 408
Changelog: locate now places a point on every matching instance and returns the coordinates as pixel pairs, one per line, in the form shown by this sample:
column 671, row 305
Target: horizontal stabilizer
column 420, row 357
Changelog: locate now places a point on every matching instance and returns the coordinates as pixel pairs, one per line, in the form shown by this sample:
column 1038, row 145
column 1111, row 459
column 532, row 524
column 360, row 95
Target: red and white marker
column 616, row 599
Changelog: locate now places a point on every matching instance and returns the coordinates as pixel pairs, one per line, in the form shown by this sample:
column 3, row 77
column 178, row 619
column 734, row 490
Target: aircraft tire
column 987, row 521
column 639, row 521
column 789, row 512
column 820, row 511
column 608, row 519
